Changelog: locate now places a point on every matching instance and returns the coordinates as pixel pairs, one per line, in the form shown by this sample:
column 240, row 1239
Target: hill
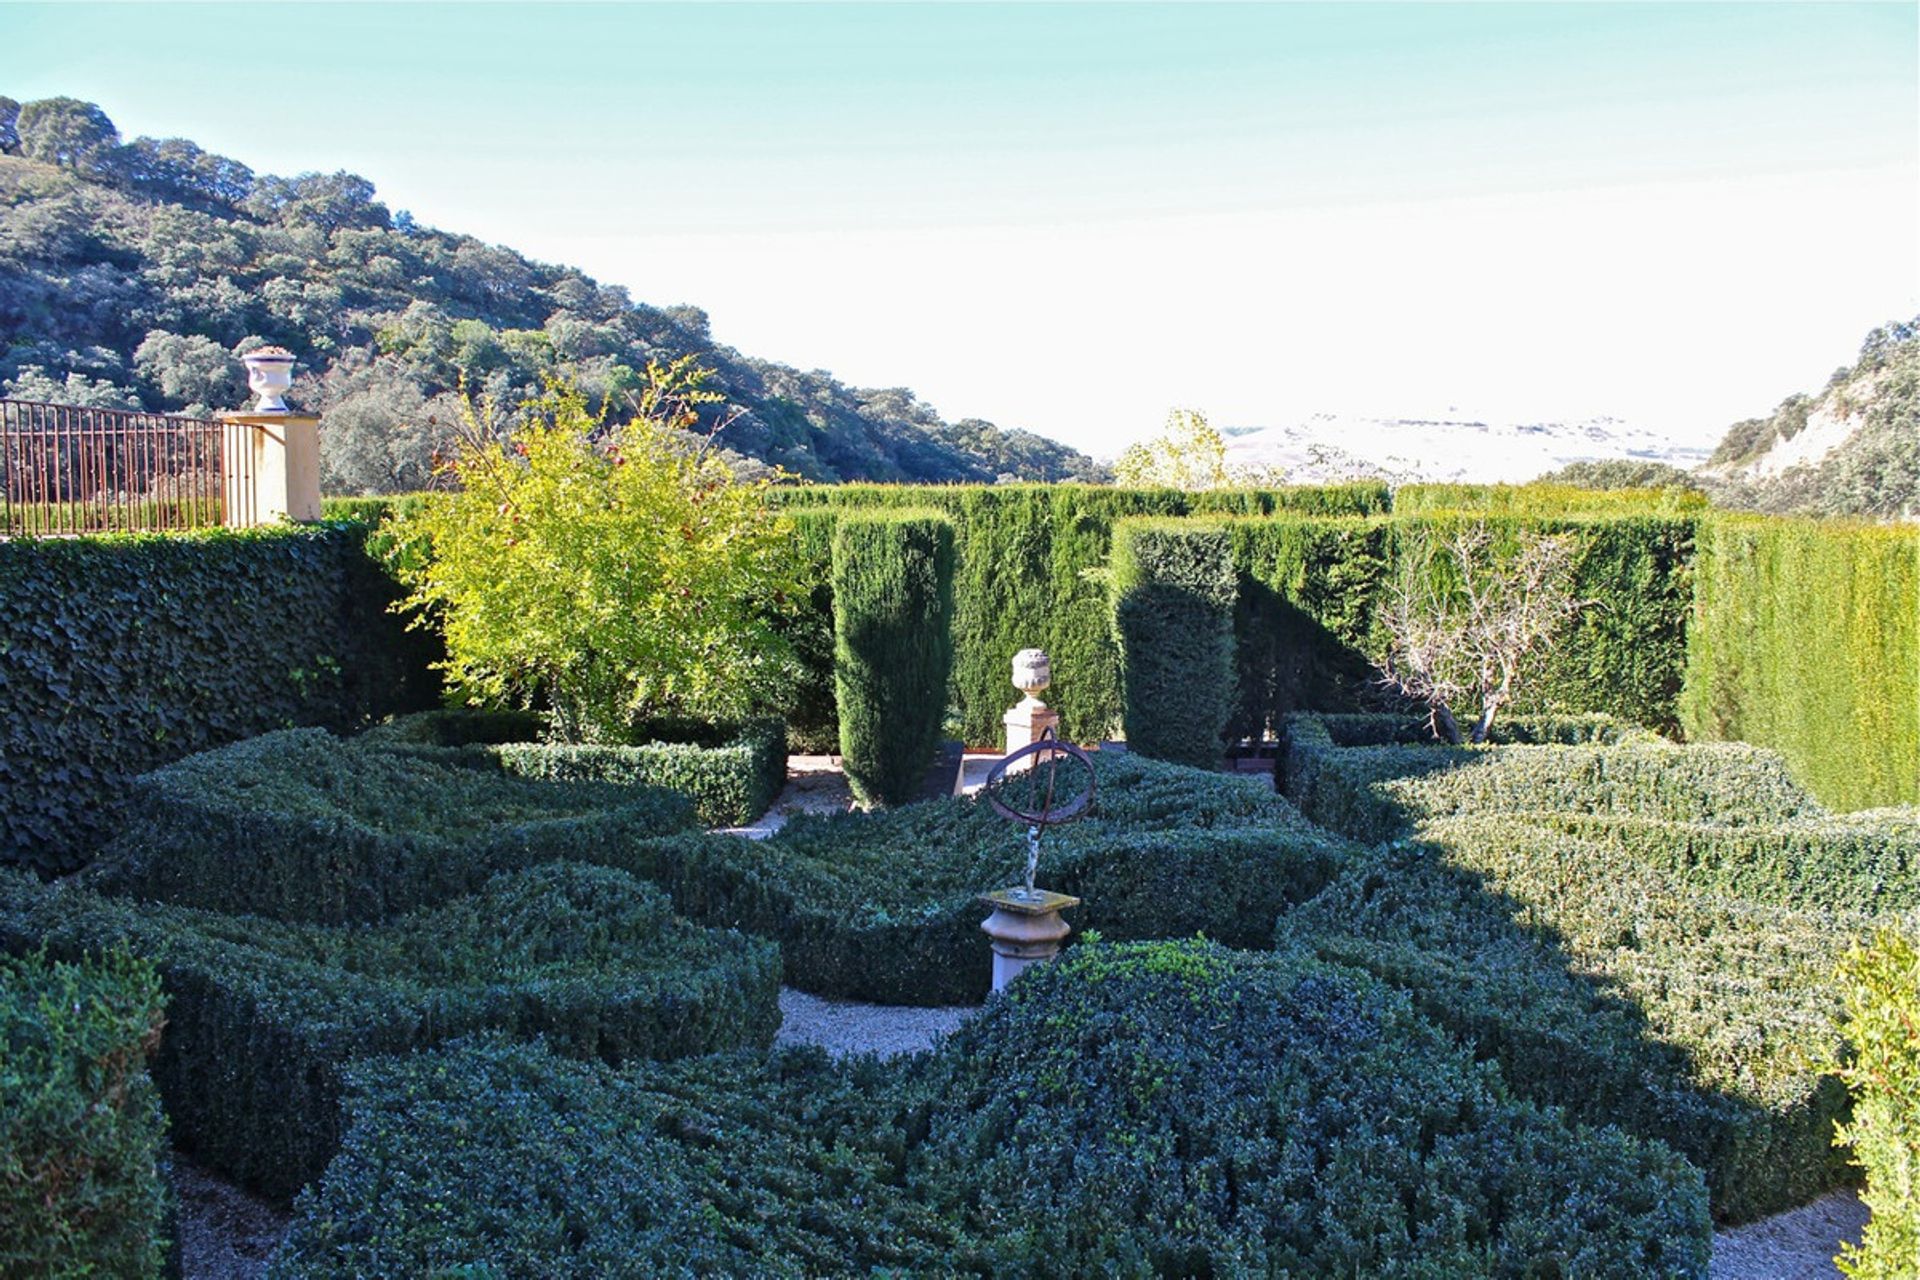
column 132, row 273
column 1851, row 449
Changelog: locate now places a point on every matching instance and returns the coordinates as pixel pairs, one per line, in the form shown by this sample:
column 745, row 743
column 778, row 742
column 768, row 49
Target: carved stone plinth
column 1030, row 719
column 1024, row 929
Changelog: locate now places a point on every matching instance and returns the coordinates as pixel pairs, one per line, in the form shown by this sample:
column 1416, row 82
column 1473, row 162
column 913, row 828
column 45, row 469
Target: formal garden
column 380, row 867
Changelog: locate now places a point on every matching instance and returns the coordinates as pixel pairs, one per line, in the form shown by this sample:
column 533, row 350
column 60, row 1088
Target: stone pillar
column 273, row 468
column 1030, row 719
column 271, row 454
column 1024, row 929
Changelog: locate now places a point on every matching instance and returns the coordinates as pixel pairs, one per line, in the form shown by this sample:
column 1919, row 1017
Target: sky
column 1073, row 218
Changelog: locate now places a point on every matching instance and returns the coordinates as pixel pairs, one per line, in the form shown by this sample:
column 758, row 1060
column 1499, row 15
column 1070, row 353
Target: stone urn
column 270, row 375
column 1025, row 929
column 1030, row 718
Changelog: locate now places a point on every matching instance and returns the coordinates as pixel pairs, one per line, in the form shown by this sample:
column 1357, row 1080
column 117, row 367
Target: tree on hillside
column 1462, row 620
column 9, row 126
column 1622, row 473
column 1187, row 454
column 67, row 132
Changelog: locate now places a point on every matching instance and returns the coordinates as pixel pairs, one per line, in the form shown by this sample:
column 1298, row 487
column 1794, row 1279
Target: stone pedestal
column 1027, row 722
column 272, row 461
column 1024, row 929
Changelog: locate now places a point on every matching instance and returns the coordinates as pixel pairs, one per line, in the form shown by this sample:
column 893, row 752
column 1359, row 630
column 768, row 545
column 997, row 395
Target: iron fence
column 68, row 470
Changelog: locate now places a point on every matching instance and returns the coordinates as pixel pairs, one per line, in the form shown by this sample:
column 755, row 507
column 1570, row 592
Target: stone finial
column 270, row 374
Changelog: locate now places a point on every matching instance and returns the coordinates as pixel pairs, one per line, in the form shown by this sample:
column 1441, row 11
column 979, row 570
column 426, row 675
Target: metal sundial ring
column 1047, row 754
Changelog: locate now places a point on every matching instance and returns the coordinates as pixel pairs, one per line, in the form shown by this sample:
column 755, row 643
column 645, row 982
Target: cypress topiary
column 1174, row 590
column 892, row 647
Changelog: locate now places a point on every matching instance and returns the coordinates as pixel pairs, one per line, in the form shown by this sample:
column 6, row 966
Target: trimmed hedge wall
column 124, row 653
column 300, row 825
column 1545, row 500
column 262, row 1016
column 1029, row 558
column 731, row 773
column 1614, row 991
column 1805, row 637
column 892, row 647
column 884, row 906
column 1881, row 985
column 1174, row 589
column 1076, row 1127
column 1377, row 793
column 82, row 1138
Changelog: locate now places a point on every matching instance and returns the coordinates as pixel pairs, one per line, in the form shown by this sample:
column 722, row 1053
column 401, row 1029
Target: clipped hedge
column 262, row 1016
column 1375, row 793
column 125, row 653
column 300, row 825
column 1805, row 637
column 1029, row 558
column 1174, row 589
column 1612, row 990
column 1881, row 986
column 82, row 1138
column 1076, row 1127
column 731, row 773
column 1542, row 499
column 884, row 906
column 892, row 647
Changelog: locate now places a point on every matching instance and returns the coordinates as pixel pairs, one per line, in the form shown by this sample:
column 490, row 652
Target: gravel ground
column 814, row 785
column 1796, row 1245
column 847, row 1026
column 225, row 1234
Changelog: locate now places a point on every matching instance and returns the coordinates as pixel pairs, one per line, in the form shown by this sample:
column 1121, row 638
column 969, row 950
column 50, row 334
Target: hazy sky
column 1073, row 217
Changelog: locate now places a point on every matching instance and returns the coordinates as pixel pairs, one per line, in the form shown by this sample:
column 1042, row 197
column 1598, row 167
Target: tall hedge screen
column 1806, row 638
column 893, row 647
column 1174, row 589
column 125, row 653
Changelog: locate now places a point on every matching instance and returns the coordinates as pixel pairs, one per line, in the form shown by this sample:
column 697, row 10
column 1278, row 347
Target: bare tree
column 1462, row 621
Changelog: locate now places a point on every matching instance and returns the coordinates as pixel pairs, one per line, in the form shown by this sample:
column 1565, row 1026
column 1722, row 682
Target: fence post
column 272, row 454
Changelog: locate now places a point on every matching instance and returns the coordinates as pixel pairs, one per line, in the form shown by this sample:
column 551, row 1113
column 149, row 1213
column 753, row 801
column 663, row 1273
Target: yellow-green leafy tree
column 615, row 572
column 1187, row 454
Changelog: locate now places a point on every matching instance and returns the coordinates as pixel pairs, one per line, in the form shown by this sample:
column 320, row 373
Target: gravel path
column 814, row 785
column 847, row 1026
column 1796, row 1245
column 225, row 1234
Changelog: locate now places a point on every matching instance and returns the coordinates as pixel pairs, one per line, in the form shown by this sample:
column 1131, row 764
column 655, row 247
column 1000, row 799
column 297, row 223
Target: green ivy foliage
column 300, row 825
column 1174, row 590
column 1881, row 987
column 262, row 1016
column 892, row 647
column 1805, row 637
column 1078, row 1126
column 82, row 1138
column 123, row 653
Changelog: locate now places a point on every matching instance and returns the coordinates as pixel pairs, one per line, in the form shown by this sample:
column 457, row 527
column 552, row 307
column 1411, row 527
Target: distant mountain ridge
column 131, row 274
column 1327, row 447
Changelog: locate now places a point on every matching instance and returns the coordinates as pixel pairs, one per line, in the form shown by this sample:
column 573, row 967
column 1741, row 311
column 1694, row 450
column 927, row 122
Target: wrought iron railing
column 66, row 470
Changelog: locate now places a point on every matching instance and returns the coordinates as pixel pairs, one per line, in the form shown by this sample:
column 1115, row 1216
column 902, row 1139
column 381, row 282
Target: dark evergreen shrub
column 731, row 773
column 893, row 647
column 1170, row 1109
column 263, row 1016
column 300, row 825
column 82, row 1139
column 1174, row 588
column 124, row 653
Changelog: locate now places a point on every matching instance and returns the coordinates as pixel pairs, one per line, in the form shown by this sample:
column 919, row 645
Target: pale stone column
column 272, row 454
column 1029, row 719
column 1025, row 929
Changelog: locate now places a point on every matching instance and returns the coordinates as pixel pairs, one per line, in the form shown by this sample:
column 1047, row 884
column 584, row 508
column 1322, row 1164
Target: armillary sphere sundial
column 1043, row 784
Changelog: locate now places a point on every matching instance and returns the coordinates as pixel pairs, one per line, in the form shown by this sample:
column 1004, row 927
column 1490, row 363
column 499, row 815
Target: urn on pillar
column 1030, row 719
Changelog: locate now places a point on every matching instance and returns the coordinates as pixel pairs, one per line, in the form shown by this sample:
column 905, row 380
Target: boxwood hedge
column 300, row 825
column 263, row 1015
column 82, row 1139
column 732, row 773
column 883, row 906
column 1881, row 985
column 1614, row 990
column 1079, row 1126
column 1174, row 589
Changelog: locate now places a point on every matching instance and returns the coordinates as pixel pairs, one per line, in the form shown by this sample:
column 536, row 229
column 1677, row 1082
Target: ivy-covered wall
column 1805, row 637
column 120, row 654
